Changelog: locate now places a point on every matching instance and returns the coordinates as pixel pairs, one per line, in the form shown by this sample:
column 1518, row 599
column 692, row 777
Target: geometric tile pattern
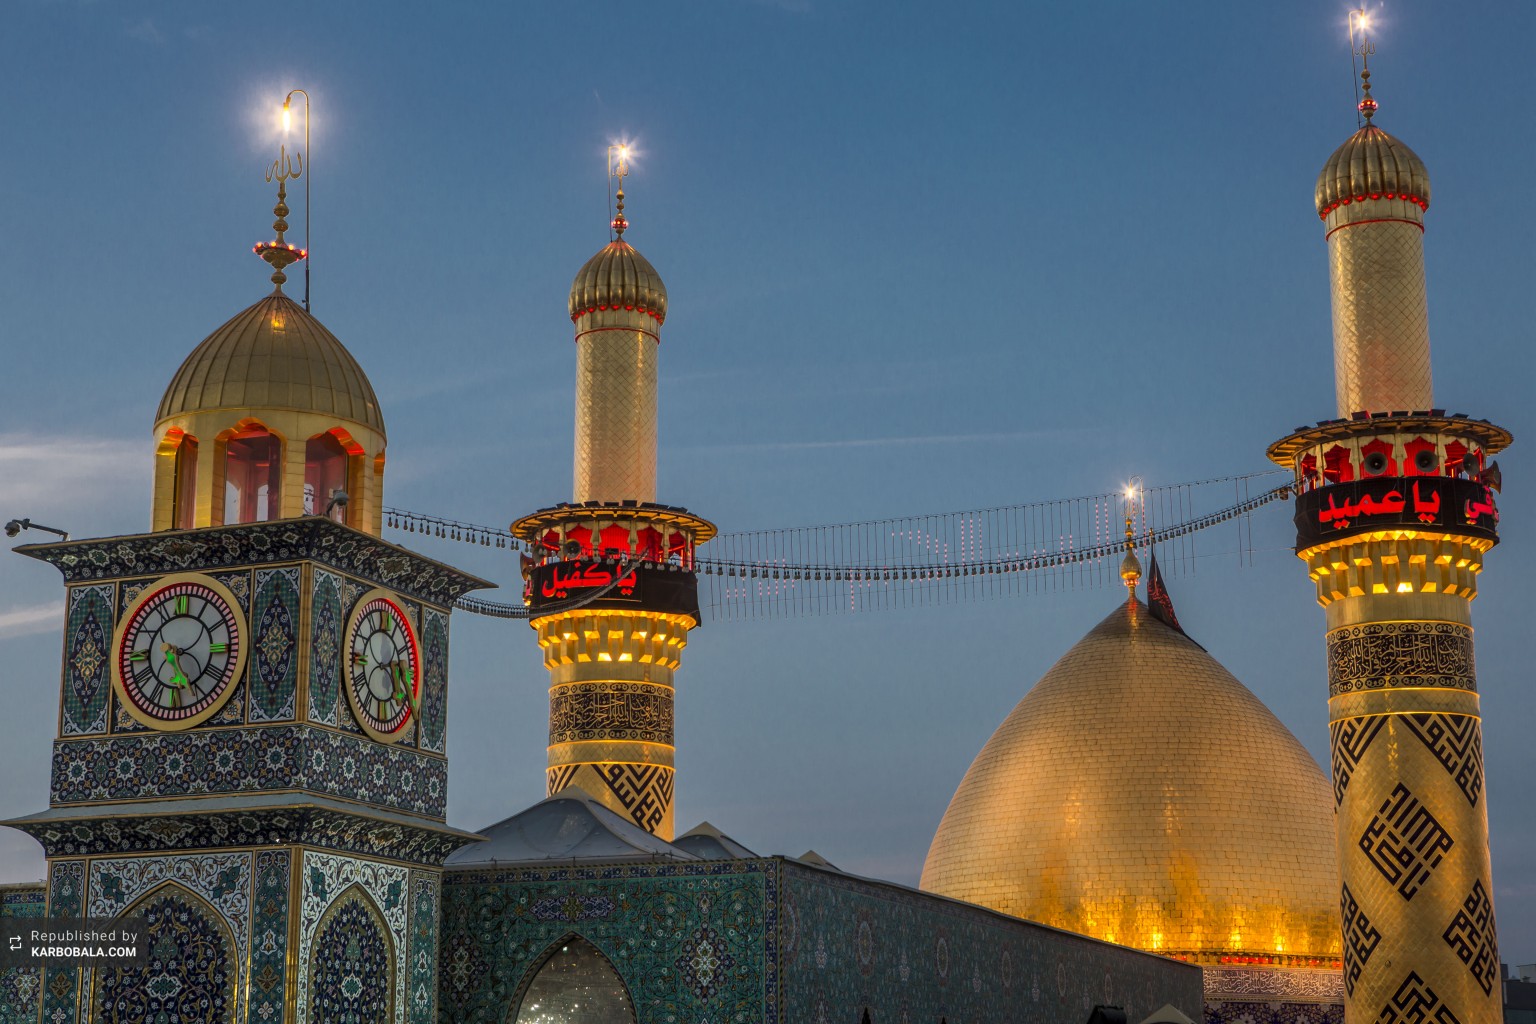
column 615, row 454
column 425, row 886
column 1457, row 743
column 323, row 879
column 191, row 973
column 434, row 683
column 1348, row 740
column 1415, row 1003
column 1380, row 318
column 558, row 777
column 1471, row 936
column 1405, row 842
column 325, row 648
column 274, row 675
column 353, row 964
column 269, row 935
column 87, row 659
column 1360, row 938
column 645, row 790
column 275, row 757
column 283, row 540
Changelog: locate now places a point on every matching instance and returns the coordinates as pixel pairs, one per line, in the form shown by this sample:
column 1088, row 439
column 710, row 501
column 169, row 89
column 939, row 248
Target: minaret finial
column 278, row 253
column 1130, row 568
column 618, row 167
column 1360, row 45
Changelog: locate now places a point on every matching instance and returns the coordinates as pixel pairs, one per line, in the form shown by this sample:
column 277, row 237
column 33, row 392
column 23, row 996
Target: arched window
column 253, row 473
column 575, row 985
column 190, row 971
column 325, row 473
column 185, row 499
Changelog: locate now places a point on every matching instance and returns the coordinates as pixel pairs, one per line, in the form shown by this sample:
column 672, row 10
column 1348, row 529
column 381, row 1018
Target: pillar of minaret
column 1371, row 197
column 611, row 580
column 1395, row 512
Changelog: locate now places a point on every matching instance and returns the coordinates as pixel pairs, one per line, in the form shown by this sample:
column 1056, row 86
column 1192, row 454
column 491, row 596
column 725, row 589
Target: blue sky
column 920, row 258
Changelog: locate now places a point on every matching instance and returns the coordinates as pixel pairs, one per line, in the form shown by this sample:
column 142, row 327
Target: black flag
column 1158, row 601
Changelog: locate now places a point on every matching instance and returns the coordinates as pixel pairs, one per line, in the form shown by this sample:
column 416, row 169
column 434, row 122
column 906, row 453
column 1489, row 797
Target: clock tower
column 252, row 733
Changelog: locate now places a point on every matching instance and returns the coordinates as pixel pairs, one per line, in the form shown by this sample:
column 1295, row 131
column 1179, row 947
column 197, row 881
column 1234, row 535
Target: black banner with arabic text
column 650, row 588
column 1452, row 504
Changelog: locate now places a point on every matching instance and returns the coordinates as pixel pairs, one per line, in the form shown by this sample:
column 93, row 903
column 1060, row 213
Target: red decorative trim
column 1322, row 214
column 653, row 314
column 1374, row 220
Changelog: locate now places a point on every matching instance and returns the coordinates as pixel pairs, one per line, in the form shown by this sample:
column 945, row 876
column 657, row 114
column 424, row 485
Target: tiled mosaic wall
column 21, row 987
column 848, row 945
column 771, row 940
column 692, row 941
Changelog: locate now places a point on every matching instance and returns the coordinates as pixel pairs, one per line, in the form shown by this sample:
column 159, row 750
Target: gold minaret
column 1394, row 514
column 611, row 581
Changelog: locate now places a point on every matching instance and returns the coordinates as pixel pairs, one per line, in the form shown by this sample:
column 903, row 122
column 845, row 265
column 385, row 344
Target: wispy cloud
column 146, row 31
column 25, row 621
column 872, row 442
column 47, row 476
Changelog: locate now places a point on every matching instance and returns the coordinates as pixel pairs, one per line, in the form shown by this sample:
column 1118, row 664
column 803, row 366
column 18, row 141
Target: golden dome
column 618, row 277
column 1141, row 794
column 273, row 355
column 1372, row 165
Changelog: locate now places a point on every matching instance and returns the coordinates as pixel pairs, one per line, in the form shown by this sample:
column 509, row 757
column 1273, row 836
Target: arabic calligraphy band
column 1443, row 504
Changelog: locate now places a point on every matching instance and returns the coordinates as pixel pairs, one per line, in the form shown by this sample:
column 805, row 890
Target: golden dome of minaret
column 1141, row 794
column 618, row 277
column 1371, row 165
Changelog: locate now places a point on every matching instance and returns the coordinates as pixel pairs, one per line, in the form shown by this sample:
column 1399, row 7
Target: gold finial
column 618, row 167
column 1362, row 47
column 278, row 253
column 1130, row 568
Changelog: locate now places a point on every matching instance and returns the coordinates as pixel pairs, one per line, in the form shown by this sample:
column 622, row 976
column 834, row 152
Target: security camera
column 339, row 499
column 13, row 527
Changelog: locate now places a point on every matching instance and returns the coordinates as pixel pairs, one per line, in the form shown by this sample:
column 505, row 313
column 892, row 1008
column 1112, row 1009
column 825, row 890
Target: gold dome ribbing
column 1372, row 165
column 618, row 277
column 1141, row 794
column 273, row 355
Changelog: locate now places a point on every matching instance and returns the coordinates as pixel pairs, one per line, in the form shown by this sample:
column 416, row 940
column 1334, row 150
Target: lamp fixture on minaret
column 1394, row 514
column 611, row 660
column 309, row 166
column 279, row 253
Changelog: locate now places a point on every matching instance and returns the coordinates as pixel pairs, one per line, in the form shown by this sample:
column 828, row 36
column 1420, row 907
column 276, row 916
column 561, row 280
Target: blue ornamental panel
column 192, row 968
column 434, row 684
column 66, row 895
column 325, row 629
column 352, row 965
column 21, row 988
column 422, row 987
column 274, row 627
column 269, row 936
column 87, row 660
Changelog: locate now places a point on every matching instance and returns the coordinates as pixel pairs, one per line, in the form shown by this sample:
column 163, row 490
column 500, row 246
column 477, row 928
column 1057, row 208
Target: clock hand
column 178, row 678
column 402, row 674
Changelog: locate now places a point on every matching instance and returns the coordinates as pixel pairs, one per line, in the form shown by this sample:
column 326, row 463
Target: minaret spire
column 279, row 253
column 1363, row 47
column 618, row 168
column 1130, row 567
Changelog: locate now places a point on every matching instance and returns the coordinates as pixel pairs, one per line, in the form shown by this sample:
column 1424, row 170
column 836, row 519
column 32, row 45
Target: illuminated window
column 185, row 501
column 325, row 473
column 576, row 985
column 253, row 473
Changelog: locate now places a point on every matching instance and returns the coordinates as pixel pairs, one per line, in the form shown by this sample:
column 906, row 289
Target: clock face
column 179, row 650
column 383, row 667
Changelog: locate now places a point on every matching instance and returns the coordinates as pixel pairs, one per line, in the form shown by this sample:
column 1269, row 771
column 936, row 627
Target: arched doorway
column 575, row 985
column 191, row 970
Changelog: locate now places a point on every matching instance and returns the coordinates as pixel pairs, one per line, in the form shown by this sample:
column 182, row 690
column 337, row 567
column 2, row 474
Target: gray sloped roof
column 708, row 843
column 567, row 827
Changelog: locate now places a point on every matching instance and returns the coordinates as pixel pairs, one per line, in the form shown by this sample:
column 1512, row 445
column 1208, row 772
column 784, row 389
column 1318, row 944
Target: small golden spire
column 618, row 167
column 1360, row 23
column 1130, row 568
column 278, row 253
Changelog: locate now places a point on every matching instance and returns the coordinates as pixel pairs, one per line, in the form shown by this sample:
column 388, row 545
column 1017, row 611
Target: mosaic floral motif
column 1274, row 1013
column 352, row 964
column 192, row 970
column 248, row 760
column 325, row 648
column 573, row 906
column 329, row 829
column 425, row 886
column 87, row 659
column 274, row 671
column 284, row 540
column 715, row 919
column 323, row 878
column 21, row 987
column 222, row 880
column 434, row 683
column 269, row 935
